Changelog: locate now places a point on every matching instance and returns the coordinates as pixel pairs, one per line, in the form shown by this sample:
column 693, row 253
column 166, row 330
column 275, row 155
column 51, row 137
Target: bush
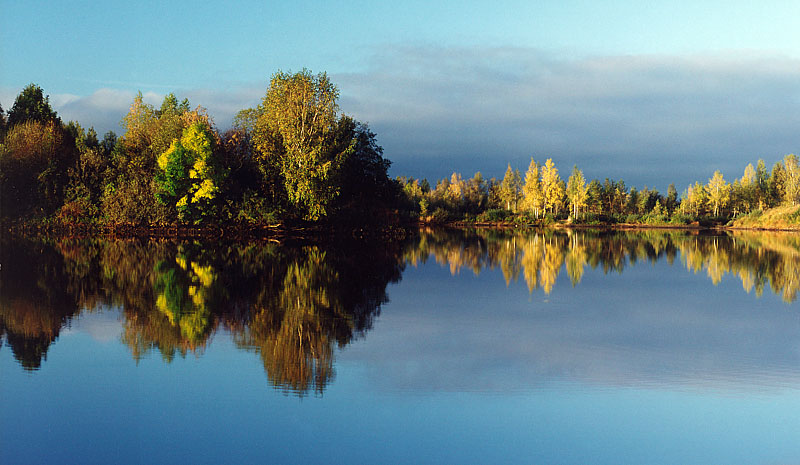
column 794, row 217
column 440, row 215
column 679, row 219
column 255, row 209
column 493, row 215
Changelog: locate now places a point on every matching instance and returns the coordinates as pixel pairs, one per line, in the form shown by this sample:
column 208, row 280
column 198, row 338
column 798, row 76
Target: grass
column 783, row 217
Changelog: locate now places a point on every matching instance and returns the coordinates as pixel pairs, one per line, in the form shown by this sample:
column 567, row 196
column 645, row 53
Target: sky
column 651, row 92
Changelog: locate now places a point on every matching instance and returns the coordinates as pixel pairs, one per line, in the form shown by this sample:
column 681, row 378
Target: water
column 454, row 347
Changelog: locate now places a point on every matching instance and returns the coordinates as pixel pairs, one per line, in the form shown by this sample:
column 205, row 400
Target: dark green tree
column 31, row 105
column 672, row 199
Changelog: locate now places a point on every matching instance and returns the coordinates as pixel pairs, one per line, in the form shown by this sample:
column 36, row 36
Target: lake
column 455, row 346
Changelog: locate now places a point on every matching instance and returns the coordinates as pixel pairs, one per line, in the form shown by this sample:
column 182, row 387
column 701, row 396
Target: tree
column 532, row 190
column 31, row 105
column 672, row 199
column 190, row 174
column 719, row 192
column 792, row 179
column 744, row 192
column 552, row 186
column 594, row 197
column 776, row 190
column 510, row 189
column 476, row 193
column 108, row 143
column 695, row 199
column 34, row 162
column 576, row 191
column 762, row 185
column 362, row 177
column 294, row 132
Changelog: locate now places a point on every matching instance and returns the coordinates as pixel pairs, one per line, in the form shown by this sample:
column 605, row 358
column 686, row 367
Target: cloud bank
column 646, row 119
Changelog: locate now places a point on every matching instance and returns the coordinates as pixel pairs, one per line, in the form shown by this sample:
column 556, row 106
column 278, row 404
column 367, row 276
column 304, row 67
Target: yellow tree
column 533, row 197
column 747, row 188
column 190, row 174
column 577, row 191
column 295, row 132
column 792, row 179
column 552, row 186
column 719, row 192
column 695, row 199
column 510, row 189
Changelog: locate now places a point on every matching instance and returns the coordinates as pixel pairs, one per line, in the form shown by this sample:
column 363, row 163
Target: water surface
column 456, row 346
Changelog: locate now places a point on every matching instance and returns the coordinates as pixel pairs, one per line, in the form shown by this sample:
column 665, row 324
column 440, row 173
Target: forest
column 296, row 159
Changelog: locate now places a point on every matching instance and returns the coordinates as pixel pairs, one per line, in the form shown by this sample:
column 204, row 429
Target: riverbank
column 785, row 219
column 275, row 232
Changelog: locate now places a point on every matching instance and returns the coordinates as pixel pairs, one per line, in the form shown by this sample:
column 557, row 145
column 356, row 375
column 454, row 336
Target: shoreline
column 607, row 226
column 279, row 233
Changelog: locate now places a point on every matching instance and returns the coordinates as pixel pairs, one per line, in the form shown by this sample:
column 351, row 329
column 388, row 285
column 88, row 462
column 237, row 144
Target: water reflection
column 759, row 259
column 292, row 305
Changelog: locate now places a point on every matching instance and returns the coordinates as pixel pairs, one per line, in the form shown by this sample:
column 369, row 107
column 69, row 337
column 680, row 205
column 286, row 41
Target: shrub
column 493, row 215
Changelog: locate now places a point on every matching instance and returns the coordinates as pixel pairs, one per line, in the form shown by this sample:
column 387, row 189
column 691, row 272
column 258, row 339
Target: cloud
column 647, row 119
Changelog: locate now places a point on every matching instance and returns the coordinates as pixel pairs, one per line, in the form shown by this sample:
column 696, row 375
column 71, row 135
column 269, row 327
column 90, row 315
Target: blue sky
column 652, row 92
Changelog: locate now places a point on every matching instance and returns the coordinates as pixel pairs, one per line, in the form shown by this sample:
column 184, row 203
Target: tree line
column 542, row 196
column 294, row 157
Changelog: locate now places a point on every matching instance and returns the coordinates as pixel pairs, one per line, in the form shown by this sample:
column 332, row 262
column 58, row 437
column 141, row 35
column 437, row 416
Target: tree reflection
column 35, row 303
column 290, row 305
column 294, row 305
column 758, row 259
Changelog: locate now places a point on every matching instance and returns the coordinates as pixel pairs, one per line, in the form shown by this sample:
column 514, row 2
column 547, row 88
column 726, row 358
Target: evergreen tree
column 31, row 105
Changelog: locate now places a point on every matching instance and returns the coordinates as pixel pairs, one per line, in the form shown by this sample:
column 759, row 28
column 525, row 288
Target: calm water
column 455, row 347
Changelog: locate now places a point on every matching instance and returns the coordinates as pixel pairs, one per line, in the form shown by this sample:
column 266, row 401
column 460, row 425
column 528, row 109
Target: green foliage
column 423, row 207
column 295, row 132
column 31, row 105
column 440, row 215
column 679, row 219
column 34, row 162
column 190, row 175
column 493, row 215
column 255, row 209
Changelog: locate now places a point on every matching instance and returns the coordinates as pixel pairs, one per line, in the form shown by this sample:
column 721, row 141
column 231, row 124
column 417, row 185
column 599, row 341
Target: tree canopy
column 31, row 105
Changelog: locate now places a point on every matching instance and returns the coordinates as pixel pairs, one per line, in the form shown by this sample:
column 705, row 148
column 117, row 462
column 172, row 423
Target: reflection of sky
column 101, row 324
column 652, row 325
column 654, row 365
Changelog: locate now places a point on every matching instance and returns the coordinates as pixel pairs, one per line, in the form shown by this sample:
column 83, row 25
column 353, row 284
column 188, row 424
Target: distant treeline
column 542, row 196
column 295, row 158
column 292, row 158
